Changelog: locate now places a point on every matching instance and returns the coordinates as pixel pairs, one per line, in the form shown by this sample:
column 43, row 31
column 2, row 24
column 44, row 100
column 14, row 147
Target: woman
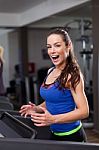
column 63, row 91
column 2, row 89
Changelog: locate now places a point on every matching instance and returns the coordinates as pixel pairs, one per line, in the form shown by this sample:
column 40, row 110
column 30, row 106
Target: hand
column 26, row 110
column 42, row 119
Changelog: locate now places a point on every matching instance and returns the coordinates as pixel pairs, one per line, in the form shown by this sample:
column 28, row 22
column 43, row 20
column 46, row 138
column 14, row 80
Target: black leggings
column 79, row 136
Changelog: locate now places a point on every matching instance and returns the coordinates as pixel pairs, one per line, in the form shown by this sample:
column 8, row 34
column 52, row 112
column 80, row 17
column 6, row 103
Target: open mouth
column 55, row 57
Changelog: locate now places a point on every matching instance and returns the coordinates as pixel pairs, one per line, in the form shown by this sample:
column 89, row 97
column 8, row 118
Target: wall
column 37, row 42
column 13, row 52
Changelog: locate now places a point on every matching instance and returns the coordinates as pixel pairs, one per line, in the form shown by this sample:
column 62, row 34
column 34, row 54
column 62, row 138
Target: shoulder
column 80, row 85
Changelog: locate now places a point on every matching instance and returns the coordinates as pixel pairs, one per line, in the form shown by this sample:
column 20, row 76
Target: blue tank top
column 58, row 102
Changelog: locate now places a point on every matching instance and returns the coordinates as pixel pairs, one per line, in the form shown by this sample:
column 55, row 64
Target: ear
column 69, row 47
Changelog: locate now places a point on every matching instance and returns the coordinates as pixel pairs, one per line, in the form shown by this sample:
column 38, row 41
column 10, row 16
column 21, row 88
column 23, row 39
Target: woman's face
column 57, row 50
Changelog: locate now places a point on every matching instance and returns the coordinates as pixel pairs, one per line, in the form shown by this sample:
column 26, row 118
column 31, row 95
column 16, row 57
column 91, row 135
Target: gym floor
column 92, row 135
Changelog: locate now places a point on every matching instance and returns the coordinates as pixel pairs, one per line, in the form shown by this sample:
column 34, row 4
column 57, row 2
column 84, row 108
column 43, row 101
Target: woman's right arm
column 42, row 105
column 38, row 107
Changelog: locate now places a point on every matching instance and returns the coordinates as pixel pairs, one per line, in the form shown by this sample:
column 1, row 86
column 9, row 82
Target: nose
column 53, row 49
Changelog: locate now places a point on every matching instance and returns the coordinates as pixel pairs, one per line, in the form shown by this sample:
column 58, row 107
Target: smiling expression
column 57, row 49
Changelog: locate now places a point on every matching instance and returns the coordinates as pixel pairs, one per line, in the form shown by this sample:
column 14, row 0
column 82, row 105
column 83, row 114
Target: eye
column 48, row 46
column 57, row 45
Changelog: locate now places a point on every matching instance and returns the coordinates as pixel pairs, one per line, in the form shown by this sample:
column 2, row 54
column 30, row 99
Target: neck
column 60, row 67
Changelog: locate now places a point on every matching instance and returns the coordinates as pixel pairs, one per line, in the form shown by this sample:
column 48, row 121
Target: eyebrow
column 55, row 43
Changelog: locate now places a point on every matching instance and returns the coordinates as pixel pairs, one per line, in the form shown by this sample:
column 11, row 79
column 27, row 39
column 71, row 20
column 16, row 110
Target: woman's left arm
column 82, row 108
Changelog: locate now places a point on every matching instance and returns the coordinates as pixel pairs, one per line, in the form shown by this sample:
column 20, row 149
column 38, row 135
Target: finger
column 22, row 110
column 22, row 114
column 24, row 106
column 38, row 121
column 38, row 115
column 39, row 124
column 36, row 118
column 25, row 115
column 31, row 103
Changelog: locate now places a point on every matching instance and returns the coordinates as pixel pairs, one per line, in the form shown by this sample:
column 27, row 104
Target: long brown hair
column 72, row 67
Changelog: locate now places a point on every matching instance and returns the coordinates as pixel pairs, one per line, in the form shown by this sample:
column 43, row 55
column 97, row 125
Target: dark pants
column 79, row 136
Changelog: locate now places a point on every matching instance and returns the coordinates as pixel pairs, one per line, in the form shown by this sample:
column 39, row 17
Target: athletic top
column 59, row 102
